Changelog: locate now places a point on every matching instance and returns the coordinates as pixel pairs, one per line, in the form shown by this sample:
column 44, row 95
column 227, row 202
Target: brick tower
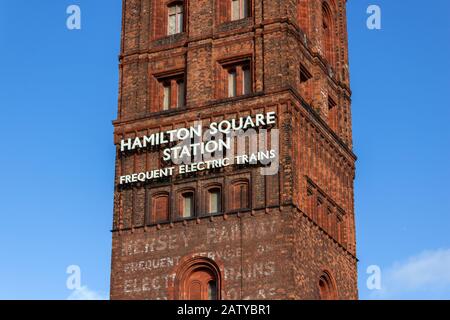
column 232, row 232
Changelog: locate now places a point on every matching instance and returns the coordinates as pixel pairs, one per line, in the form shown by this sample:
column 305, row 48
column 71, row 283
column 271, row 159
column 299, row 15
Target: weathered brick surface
column 300, row 222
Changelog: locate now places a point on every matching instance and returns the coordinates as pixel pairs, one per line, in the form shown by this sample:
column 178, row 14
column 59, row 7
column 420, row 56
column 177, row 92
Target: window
column 235, row 9
column 167, row 96
column 306, row 84
column 240, row 9
column 310, row 200
column 332, row 114
column 173, row 93
column 175, row 20
column 239, row 195
column 327, row 32
column 181, row 93
column 187, row 205
column 214, row 200
column 199, row 279
column 232, row 83
column 160, row 208
column 305, row 75
column 247, row 80
column 212, row 290
column 327, row 290
column 239, row 79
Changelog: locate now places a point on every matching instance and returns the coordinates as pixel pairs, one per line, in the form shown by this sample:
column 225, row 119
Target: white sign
column 208, row 147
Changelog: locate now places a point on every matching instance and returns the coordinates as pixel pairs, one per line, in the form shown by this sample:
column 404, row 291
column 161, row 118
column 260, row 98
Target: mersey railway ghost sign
column 235, row 141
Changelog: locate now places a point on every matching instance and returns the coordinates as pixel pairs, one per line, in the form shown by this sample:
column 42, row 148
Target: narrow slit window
column 212, row 290
column 305, row 75
column 214, row 201
column 246, row 80
column 187, row 205
column 167, row 95
column 181, row 93
column 232, row 83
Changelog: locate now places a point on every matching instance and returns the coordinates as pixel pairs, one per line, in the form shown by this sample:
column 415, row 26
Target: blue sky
column 58, row 96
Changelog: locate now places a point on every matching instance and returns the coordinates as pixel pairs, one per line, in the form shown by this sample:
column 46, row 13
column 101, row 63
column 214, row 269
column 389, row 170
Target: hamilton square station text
column 199, row 150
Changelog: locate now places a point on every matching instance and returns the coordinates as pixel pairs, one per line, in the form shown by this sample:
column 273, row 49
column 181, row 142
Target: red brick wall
column 303, row 216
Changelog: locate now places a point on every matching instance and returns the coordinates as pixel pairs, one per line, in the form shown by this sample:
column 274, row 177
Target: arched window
column 186, row 204
column 198, row 279
column 160, row 207
column 240, row 195
column 201, row 284
column 214, row 200
column 327, row 32
column 175, row 19
column 195, row 289
column 327, row 288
